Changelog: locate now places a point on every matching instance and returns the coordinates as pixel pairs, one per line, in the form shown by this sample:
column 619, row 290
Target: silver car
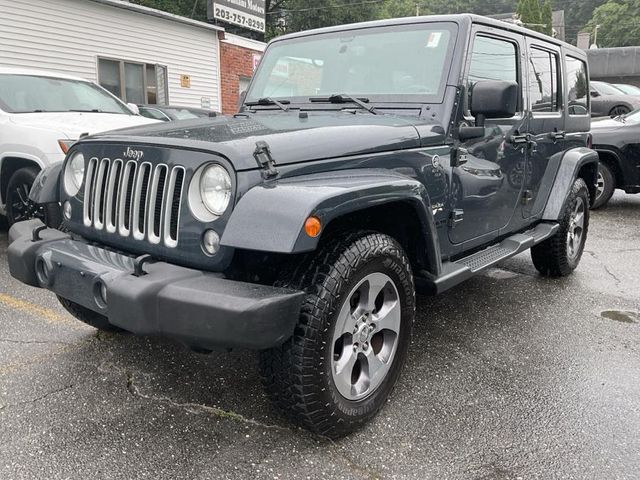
column 607, row 100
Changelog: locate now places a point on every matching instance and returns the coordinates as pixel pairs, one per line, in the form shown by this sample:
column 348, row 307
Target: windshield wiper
column 270, row 101
column 88, row 110
column 346, row 98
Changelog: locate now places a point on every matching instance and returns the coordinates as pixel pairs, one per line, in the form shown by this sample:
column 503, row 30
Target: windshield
column 386, row 64
column 27, row 93
column 628, row 89
column 186, row 114
column 633, row 117
column 606, row 89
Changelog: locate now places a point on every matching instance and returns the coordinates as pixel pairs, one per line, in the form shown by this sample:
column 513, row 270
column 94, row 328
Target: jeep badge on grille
column 133, row 154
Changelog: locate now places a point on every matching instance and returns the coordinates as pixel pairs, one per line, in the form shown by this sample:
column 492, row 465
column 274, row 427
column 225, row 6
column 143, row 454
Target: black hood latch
column 262, row 154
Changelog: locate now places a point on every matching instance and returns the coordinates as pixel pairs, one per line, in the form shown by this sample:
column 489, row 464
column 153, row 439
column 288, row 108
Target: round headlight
column 74, row 174
column 215, row 189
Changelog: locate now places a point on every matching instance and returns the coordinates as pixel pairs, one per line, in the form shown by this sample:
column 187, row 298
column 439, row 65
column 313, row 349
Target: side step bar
column 464, row 268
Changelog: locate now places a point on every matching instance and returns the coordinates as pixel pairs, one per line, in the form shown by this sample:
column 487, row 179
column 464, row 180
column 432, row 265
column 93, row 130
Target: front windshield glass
column 386, row 64
column 28, row 93
column 633, row 117
column 186, row 114
column 606, row 89
column 628, row 89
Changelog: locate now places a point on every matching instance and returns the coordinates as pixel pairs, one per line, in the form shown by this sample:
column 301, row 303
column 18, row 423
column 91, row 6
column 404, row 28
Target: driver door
column 487, row 184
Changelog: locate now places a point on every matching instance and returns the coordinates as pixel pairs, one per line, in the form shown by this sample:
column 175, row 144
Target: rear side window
column 577, row 87
column 544, row 92
column 492, row 59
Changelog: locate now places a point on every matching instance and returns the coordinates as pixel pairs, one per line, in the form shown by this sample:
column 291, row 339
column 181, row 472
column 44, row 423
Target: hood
column 74, row 124
column 292, row 137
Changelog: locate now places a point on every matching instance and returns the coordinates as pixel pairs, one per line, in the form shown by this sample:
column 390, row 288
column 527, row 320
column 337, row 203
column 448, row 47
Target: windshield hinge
column 265, row 161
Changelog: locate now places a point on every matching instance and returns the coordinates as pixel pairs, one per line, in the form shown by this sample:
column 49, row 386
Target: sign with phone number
column 237, row 17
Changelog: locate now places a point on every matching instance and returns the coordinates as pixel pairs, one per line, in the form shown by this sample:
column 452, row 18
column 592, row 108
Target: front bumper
column 201, row 309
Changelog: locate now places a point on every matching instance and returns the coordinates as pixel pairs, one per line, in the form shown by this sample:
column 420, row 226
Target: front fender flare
column 46, row 187
column 271, row 217
column 577, row 162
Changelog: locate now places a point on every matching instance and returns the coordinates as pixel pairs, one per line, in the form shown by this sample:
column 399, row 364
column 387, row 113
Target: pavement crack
column 197, row 408
column 613, row 275
column 37, row 399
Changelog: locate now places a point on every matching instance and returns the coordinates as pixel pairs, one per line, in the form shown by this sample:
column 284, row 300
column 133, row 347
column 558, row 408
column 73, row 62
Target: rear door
column 546, row 123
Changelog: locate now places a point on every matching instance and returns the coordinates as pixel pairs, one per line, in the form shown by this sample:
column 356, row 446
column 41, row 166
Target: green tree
column 530, row 14
column 547, row 18
column 619, row 23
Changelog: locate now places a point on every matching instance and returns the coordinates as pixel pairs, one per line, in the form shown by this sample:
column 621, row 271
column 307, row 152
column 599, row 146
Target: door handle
column 555, row 136
column 520, row 139
column 524, row 139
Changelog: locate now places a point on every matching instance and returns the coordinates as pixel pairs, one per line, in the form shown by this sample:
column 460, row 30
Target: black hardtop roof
column 463, row 18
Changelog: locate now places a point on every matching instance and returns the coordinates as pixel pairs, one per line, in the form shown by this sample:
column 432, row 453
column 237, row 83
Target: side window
column 577, row 87
column 492, row 59
column 543, row 81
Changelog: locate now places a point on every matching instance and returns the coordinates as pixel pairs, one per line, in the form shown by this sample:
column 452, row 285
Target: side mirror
column 134, row 108
column 241, row 98
column 594, row 94
column 493, row 99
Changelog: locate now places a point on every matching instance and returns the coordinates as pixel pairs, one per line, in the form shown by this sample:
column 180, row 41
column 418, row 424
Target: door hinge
column 457, row 215
column 527, row 196
column 262, row 154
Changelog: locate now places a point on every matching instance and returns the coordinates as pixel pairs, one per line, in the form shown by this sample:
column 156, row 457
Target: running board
column 464, row 268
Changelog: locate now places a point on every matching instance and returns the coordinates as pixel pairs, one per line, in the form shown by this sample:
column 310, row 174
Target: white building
column 140, row 54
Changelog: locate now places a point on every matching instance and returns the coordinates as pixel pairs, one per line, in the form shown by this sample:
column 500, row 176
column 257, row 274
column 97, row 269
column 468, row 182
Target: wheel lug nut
column 365, row 346
column 355, row 347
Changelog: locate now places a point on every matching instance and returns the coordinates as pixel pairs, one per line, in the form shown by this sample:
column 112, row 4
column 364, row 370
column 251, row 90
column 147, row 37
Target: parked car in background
column 627, row 88
column 169, row 113
column 617, row 141
column 609, row 101
column 41, row 115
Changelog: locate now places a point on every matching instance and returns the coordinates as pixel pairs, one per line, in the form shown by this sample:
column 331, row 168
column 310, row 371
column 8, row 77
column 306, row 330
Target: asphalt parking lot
column 509, row 376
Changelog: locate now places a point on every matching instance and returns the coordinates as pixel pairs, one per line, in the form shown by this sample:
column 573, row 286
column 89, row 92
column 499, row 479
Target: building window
column 543, row 81
column 134, row 82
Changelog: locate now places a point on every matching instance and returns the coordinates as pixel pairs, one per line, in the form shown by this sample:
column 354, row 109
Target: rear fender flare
column 271, row 217
column 576, row 163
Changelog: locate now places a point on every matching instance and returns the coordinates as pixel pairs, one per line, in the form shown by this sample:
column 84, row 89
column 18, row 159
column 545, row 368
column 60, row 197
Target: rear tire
column 559, row 255
column 345, row 357
column 606, row 185
column 87, row 316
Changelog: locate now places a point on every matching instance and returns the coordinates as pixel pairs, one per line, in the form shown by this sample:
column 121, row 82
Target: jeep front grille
column 134, row 199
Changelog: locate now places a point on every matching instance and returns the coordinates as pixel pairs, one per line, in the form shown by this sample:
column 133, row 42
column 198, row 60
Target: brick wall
column 235, row 62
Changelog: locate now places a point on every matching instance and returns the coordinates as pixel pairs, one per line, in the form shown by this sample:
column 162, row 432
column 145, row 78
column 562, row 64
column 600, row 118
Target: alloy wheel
column 576, row 229
column 366, row 336
column 20, row 205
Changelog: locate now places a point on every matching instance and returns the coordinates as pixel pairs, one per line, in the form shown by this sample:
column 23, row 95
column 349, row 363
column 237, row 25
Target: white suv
column 41, row 115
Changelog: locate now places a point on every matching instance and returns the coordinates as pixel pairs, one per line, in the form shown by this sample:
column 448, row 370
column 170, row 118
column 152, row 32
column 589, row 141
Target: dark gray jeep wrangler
column 367, row 161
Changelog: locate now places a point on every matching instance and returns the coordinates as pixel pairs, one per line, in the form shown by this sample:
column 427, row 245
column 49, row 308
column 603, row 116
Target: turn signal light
column 312, row 227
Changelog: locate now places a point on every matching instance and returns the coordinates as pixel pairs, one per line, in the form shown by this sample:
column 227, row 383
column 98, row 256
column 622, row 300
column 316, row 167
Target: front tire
column 352, row 337
column 20, row 207
column 559, row 255
column 605, row 186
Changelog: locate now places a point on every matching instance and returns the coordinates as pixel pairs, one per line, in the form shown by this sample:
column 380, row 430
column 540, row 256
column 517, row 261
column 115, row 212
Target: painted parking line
column 50, row 316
